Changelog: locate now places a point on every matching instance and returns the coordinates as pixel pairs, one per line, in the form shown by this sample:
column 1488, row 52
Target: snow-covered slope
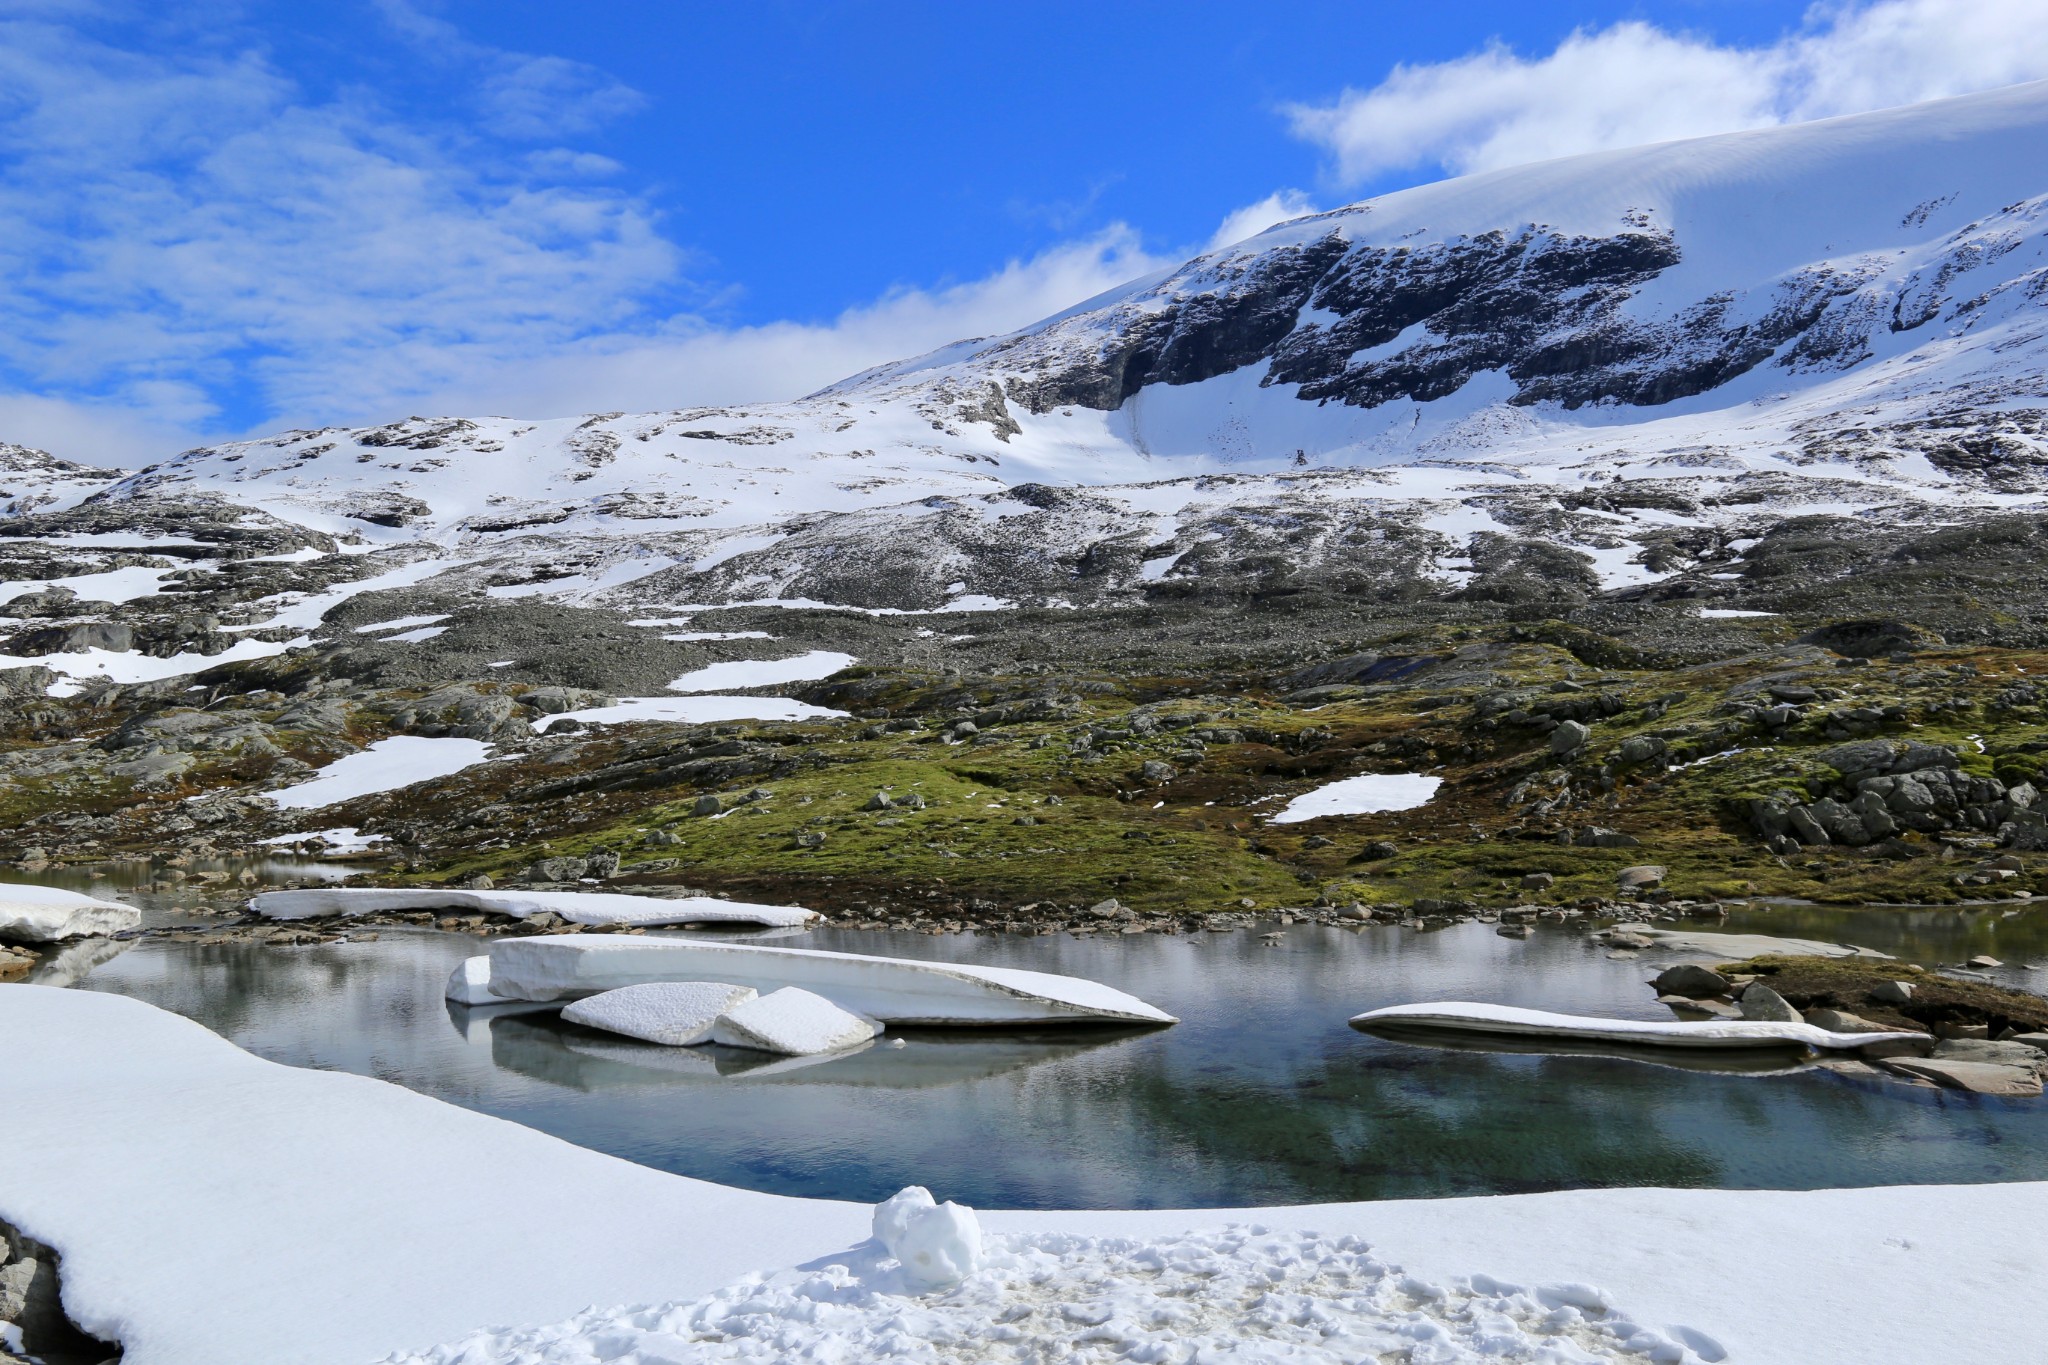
column 1833, row 316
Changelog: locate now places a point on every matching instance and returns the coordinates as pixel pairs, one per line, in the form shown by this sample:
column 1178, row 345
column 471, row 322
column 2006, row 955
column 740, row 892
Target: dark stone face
column 1546, row 309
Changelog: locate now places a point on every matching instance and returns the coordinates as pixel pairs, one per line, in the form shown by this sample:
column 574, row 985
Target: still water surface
column 1261, row 1095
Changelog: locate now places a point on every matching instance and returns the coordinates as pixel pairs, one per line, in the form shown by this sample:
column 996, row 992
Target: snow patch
column 1364, row 795
column 807, row 667
column 387, row 765
column 794, row 1022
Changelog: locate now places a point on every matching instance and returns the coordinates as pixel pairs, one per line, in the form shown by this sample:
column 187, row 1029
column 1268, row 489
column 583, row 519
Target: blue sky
column 220, row 218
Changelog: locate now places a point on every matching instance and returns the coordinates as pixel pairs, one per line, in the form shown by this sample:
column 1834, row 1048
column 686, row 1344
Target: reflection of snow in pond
column 1361, row 796
column 385, row 766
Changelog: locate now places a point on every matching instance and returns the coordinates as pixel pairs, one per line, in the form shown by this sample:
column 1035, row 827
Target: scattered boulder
column 1840, row 1021
column 1761, row 1003
column 1892, row 992
column 1638, row 877
column 1569, row 737
column 1692, row 981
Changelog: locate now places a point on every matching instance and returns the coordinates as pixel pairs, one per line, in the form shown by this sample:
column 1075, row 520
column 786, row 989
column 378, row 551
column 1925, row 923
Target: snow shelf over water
column 893, row 990
column 50, row 914
column 577, row 907
column 1467, row 1017
column 1361, row 796
column 385, row 766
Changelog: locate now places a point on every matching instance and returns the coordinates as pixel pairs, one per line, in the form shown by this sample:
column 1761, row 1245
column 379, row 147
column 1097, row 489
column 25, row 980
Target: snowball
column 470, row 983
column 892, row 1214
column 50, row 914
column 939, row 1246
column 792, row 1021
column 673, row 1013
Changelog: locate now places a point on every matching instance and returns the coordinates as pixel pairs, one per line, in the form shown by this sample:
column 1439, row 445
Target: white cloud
column 690, row 363
column 1635, row 83
column 1253, row 219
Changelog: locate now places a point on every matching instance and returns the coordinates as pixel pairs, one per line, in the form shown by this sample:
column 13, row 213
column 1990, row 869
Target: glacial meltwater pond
column 1261, row 1095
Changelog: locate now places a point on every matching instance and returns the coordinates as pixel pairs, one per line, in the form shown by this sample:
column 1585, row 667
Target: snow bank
column 791, row 1021
column 894, row 990
column 49, row 914
column 672, row 1013
column 470, row 982
column 818, row 663
column 700, row 710
column 119, row 1114
column 344, row 839
column 387, row 765
column 577, row 907
column 1713, row 1033
column 322, row 1205
column 1360, row 796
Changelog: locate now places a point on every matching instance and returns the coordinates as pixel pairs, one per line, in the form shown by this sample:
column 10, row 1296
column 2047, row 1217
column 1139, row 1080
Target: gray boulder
column 1760, row 1002
column 1691, row 980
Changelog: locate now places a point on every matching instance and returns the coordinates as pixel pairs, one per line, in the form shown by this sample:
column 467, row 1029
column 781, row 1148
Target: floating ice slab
column 791, row 1021
column 672, row 1013
column 470, row 982
column 893, row 990
column 1361, row 796
column 1465, row 1016
column 50, row 914
column 577, row 907
column 1736, row 947
column 387, row 765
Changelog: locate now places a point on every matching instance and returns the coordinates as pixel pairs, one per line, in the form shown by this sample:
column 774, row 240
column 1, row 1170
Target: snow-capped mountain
column 1843, row 315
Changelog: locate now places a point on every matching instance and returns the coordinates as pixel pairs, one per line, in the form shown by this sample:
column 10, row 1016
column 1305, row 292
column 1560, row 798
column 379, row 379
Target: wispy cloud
column 689, row 362
column 198, row 247
column 1635, row 83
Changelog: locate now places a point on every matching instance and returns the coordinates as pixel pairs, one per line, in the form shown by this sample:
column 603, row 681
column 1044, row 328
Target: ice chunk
column 1468, row 1017
column 894, row 990
column 673, row 1013
column 50, row 914
column 792, row 1021
column 470, row 983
